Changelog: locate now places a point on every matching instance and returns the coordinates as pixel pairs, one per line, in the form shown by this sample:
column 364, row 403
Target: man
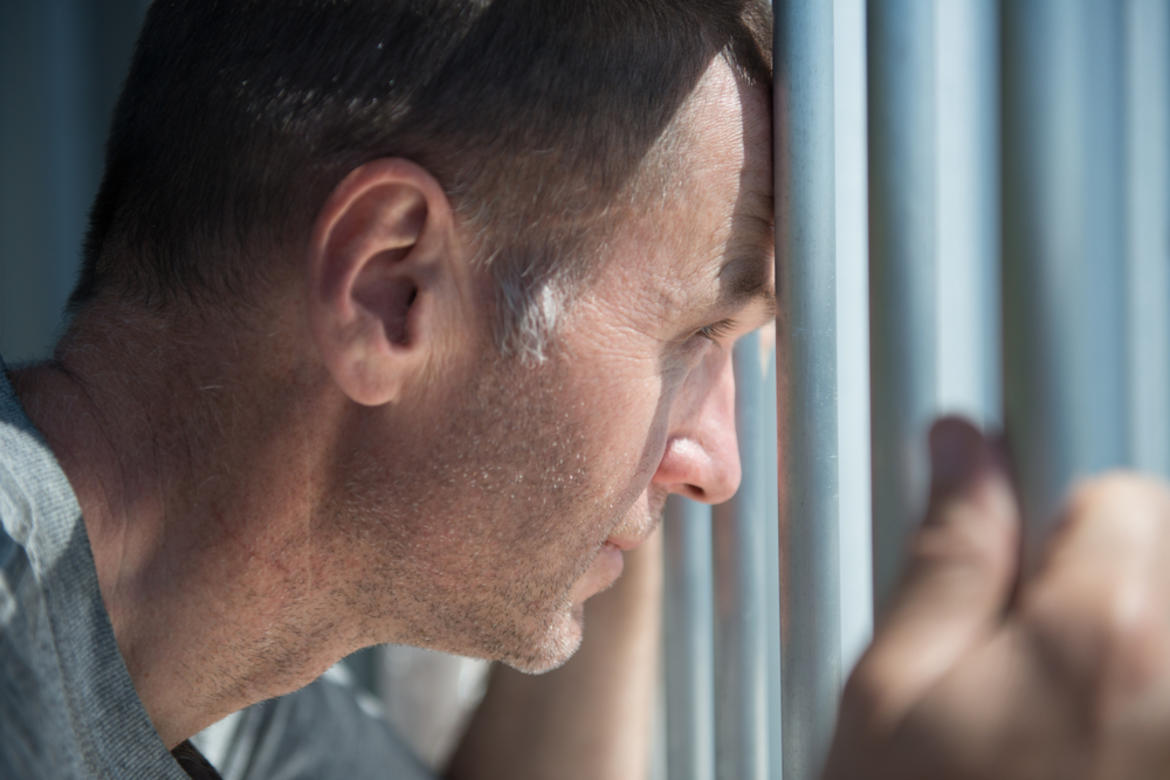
column 397, row 324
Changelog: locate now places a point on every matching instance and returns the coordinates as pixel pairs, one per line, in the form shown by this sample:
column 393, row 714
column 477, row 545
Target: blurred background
column 61, row 66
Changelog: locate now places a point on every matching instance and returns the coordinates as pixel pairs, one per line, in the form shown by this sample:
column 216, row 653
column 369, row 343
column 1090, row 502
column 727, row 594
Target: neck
column 198, row 503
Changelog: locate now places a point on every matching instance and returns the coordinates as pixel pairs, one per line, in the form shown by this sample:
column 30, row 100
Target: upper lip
column 624, row 542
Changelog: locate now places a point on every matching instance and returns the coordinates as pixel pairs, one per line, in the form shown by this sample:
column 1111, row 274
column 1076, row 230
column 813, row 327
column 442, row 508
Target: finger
column 959, row 572
column 1098, row 607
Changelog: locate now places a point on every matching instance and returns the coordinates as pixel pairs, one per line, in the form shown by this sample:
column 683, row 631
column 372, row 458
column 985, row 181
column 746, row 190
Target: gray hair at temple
column 544, row 121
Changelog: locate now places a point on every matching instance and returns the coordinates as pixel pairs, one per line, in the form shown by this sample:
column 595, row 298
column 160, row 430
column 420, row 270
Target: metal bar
column 740, row 560
column 1064, row 298
column 967, row 187
column 769, row 471
column 1148, row 242
column 806, row 279
column 902, row 207
column 852, row 227
column 688, row 635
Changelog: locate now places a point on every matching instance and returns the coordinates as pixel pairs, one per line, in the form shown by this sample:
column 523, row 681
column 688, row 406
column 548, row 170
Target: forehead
column 713, row 227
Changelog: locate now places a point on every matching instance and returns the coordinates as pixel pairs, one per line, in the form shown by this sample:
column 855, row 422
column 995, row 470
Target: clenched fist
column 978, row 672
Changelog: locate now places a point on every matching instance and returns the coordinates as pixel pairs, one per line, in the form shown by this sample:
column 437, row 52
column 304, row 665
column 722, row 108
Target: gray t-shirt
column 68, row 708
column 325, row 730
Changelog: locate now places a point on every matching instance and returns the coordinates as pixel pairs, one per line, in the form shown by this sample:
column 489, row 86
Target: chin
column 554, row 647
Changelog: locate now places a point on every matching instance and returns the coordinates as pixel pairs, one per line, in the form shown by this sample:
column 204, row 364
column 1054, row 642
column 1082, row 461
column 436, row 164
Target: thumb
column 958, row 576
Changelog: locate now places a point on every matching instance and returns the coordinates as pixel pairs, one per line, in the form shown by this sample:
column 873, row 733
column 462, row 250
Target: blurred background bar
column 902, row 240
column 807, row 328
column 852, row 263
column 1147, row 196
column 688, row 641
column 741, row 561
column 767, row 447
column 1063, row 260
column 969, row 376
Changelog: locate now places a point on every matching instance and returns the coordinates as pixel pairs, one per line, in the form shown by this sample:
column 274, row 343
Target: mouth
column 637, row 527
column 623, row 543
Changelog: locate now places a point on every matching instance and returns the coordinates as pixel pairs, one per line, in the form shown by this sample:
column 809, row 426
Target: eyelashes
column 717, row 330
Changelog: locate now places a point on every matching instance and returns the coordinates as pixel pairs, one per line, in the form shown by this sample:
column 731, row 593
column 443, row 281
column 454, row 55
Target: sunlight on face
column 534, row 476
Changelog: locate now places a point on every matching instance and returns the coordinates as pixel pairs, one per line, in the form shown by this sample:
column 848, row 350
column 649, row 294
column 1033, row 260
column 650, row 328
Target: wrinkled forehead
column 731, row 137
column 709, row 240
column 723, row 215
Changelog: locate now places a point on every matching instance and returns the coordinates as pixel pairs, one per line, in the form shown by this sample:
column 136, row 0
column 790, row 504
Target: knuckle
column 1134, row 642
column 1106, row 650
column 1114, row 490
column 1120, row 515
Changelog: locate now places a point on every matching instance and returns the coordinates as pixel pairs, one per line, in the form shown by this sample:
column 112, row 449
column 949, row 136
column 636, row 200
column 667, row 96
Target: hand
column 974, row 673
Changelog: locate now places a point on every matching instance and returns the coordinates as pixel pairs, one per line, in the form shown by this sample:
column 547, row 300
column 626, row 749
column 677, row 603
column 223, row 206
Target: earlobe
column 376, row 257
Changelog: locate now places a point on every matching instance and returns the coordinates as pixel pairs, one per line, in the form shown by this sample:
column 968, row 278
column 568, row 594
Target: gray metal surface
column 688, row 641
column 741, row 561
column 1147, row 142
column 806, row 279
column 1064, row 292
column 902, row 206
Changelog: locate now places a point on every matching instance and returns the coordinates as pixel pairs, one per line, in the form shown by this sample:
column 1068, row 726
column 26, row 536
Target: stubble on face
column 472, row 523
column 478, row 552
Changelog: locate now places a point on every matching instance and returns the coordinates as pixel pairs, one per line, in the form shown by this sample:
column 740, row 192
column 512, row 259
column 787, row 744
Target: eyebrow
column 745, row 277
column 744, row 280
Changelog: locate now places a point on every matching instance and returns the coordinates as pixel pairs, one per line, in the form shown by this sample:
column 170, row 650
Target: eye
column 717, row 330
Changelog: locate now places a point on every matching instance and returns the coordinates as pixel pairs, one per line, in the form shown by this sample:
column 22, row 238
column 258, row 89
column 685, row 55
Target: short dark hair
column 238, row 117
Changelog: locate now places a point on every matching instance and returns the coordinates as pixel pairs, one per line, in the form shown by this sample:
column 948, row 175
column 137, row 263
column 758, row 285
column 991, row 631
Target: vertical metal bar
column 689, row 636
column 806, row 278
column 770, row 470
column 854, row 511
column 1064, row 299
column 1148, row 211
column 967, row 186
column 900, row 53
column 740, row 559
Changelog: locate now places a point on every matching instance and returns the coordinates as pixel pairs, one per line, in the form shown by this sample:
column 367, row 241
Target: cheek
column 630, row 421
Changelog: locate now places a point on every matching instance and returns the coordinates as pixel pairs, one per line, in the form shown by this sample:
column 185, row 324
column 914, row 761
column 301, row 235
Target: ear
column 377, row 258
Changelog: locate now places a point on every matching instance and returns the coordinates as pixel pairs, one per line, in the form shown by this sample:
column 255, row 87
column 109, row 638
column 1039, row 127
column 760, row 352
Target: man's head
column 543, row 120
column 419, row 199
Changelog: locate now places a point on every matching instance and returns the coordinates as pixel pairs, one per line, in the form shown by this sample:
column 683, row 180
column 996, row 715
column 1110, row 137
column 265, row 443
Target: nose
column 701, row 459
